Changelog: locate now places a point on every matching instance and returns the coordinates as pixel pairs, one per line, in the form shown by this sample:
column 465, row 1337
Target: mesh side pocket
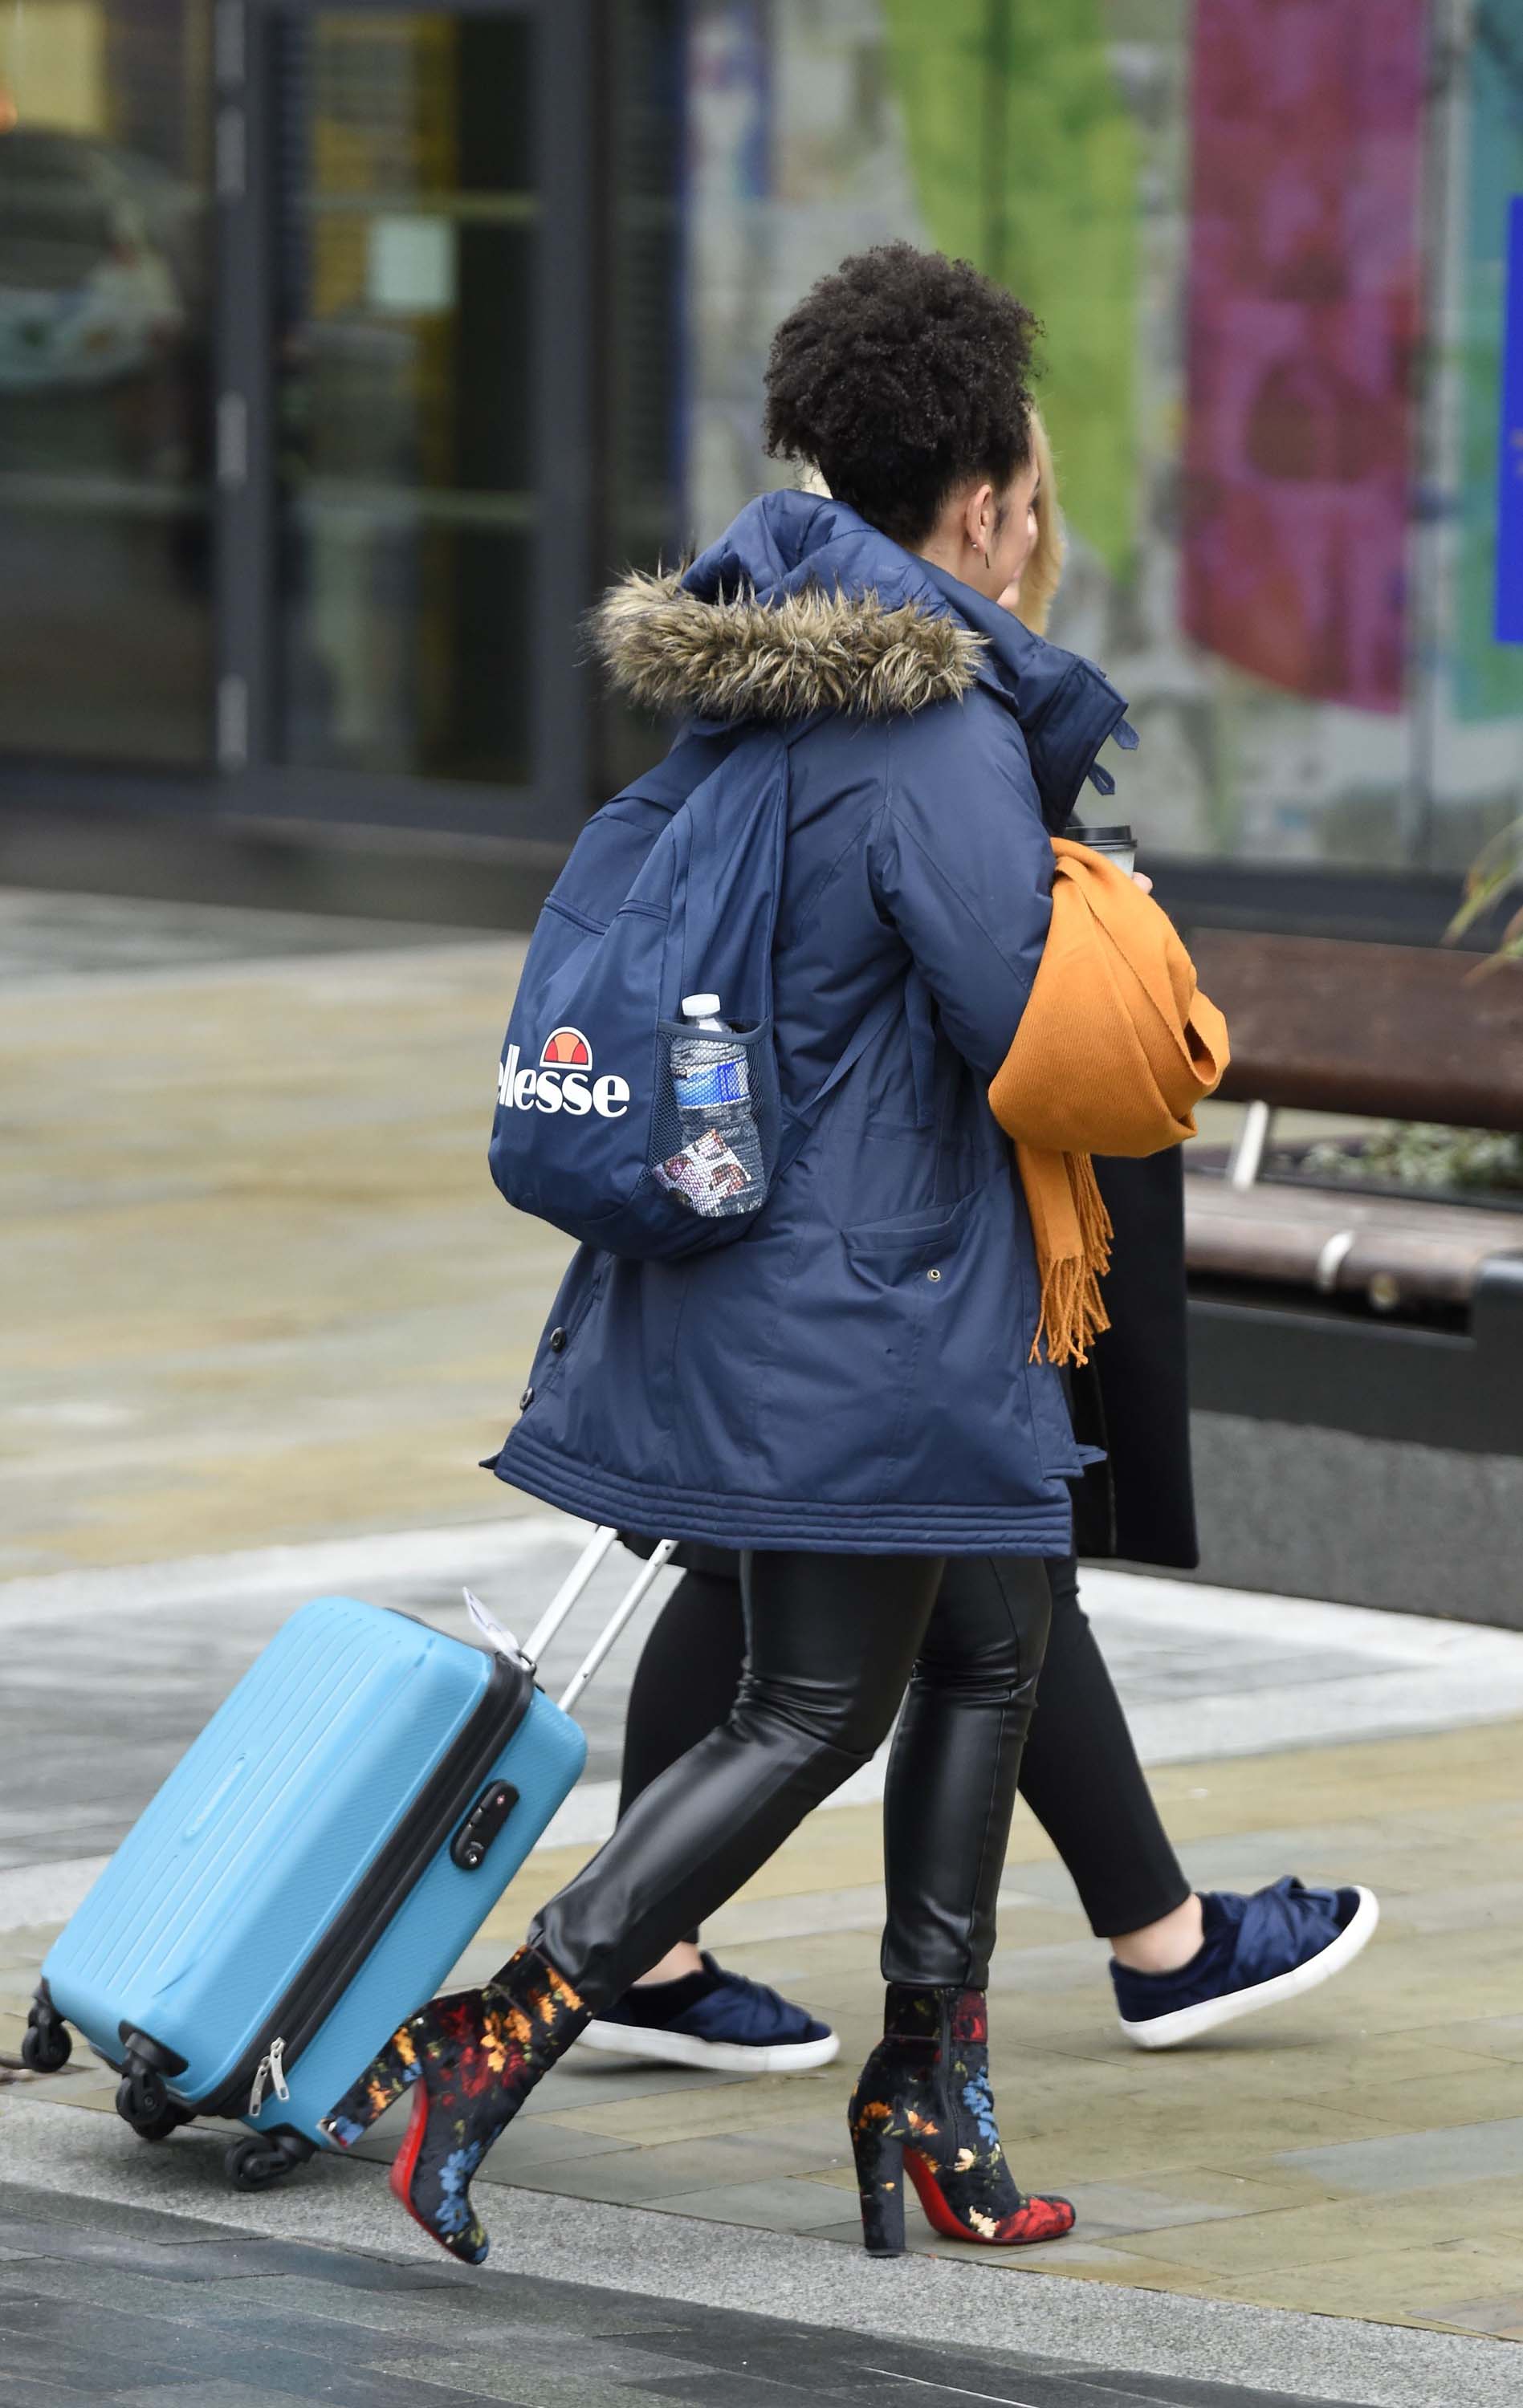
column 714, row 1156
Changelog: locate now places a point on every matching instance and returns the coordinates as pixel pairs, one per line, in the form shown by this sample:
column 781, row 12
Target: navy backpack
column 657, row 903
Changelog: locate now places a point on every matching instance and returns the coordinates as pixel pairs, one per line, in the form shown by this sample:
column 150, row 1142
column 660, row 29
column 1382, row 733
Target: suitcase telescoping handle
column 570, row 1590
column 644, row 1579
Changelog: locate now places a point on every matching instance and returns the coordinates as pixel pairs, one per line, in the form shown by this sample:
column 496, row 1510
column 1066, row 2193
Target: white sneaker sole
column 1188, row 2023
column 717, row 2055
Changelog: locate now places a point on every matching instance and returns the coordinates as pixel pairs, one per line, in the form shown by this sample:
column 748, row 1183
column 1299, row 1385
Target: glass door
column 105, row 626
column 404, row 413
column 403, row 441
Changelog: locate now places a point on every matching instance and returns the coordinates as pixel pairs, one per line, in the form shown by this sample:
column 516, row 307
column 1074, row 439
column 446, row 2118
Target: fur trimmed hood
column 801, row 607
column 735, row 656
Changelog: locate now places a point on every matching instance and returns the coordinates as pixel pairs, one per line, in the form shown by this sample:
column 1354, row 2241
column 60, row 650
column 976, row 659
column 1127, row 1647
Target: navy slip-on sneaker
column 714, row 2019
column 1257, row 1952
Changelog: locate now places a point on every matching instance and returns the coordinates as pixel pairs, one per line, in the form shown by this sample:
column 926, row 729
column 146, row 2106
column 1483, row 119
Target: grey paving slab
column 700, row 2165
column 1154, row 1674
column 855, row 2368
column 1487, row 2315
column 1056, row 1967
column 1450, row 1910
column 534, row 2142
column 766, row 2391
column 628, row 2180
column 557, row 2389
column 791, row 2205
column 206, row 2394
column 50, row 935
column 1132, row 2207
column 1462, row 2153
column 81, row 2255
column 514, row 2382
column 589, row 2080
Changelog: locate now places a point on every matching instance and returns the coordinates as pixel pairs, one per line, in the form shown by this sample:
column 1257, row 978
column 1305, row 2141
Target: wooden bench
column 1378, row 1031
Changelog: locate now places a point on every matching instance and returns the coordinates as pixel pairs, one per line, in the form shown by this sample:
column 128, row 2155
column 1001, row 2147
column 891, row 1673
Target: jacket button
column 526, row 1400
column 933, row 1276
column 558, row 1340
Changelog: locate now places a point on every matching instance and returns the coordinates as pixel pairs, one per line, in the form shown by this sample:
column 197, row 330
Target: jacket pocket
column 897, row 1268
column 953, row 1282
column 909, row 1242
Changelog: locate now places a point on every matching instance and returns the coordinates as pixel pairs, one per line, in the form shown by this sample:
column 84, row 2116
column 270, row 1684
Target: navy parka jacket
column 852, row 1376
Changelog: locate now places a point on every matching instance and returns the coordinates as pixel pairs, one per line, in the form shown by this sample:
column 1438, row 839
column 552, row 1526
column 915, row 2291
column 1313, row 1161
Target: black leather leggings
column 831, row 1643
column 1079, row 1773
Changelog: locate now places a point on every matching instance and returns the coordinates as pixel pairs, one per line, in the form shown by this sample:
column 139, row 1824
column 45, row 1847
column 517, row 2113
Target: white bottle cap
column 700, row 1007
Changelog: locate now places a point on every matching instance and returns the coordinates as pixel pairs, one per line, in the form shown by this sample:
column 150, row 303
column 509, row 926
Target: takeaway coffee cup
column 1118, row 844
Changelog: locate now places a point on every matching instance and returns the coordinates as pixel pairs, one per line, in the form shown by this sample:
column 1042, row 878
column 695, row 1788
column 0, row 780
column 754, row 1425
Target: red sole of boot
column 940, row 2217
column 404, row 2164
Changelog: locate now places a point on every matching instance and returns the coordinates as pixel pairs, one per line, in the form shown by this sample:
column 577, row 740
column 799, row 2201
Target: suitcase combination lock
column 468, row 1848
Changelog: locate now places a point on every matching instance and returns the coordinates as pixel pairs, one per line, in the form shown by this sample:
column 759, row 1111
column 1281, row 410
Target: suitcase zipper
column 337, row 1955
column 272, row 2069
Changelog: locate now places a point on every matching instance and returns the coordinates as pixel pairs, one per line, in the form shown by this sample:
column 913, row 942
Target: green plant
column 1497, row 870
column 1422, row 1155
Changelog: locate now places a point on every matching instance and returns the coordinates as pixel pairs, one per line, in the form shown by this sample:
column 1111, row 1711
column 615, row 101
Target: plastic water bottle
column 722, row 1154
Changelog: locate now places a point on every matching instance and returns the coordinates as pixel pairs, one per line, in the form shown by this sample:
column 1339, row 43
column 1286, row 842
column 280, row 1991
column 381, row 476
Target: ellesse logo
column 561, row 1083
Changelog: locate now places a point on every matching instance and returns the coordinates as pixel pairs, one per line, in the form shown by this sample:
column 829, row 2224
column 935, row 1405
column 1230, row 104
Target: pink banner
column 1303, row 313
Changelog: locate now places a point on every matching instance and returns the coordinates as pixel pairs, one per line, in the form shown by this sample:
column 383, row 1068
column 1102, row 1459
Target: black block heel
column 879, row 2181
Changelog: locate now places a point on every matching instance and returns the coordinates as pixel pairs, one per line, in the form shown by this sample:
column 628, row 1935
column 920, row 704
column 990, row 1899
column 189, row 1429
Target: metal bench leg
column 1246, row 1159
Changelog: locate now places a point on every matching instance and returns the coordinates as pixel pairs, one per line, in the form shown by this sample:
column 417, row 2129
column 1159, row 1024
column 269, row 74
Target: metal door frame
column 250, row 781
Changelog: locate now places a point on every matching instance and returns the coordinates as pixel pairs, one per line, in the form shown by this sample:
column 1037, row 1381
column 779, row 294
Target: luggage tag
column 502, row 1641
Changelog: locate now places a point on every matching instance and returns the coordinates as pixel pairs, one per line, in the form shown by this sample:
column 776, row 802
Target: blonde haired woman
column 1030, row 597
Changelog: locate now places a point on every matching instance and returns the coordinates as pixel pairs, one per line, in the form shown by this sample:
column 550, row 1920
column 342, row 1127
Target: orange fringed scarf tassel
column 1115, row 1048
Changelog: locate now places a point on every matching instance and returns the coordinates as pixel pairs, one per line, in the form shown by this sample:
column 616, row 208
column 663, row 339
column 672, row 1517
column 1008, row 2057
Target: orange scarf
column 1115, row 1048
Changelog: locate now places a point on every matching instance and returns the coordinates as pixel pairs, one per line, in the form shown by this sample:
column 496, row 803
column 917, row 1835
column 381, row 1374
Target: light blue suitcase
column 314, row 1866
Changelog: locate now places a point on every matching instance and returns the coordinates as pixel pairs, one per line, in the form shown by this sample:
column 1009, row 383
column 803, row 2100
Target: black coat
column 1132, row 1397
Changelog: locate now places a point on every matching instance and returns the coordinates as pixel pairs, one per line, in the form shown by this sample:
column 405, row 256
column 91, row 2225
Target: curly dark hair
column 898, row 376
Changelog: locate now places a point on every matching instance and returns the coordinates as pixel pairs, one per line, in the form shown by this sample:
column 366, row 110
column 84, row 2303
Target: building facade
column 346, row 350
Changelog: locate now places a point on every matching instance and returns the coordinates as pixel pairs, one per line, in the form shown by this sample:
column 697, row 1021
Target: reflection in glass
column 1280, row 479
column 405, row 244
column 105, row 615
column 639, row 335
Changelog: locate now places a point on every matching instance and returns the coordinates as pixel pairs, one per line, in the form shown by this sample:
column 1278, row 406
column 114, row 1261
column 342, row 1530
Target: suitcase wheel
column 143, row 2101
column 254, row 2162
column 158, row 2128
column 47, row 2044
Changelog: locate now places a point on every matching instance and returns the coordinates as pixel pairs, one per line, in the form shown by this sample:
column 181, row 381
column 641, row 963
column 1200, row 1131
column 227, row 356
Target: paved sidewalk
column 260, row 1284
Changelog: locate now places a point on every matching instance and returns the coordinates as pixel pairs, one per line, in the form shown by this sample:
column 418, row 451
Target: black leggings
column 1079, row 1773
column 821, row 1651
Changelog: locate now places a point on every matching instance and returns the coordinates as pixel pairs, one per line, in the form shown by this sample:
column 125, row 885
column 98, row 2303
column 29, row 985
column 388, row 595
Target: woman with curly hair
column 1183, row 1964
column 853, row 1395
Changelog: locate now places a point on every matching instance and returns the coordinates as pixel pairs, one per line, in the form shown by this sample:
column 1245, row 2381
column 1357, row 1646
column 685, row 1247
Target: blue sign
column 1510, row 462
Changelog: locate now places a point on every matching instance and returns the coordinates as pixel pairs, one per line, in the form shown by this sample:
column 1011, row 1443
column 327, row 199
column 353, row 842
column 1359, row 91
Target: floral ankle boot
column 923, row 2106
column 471, row 2061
